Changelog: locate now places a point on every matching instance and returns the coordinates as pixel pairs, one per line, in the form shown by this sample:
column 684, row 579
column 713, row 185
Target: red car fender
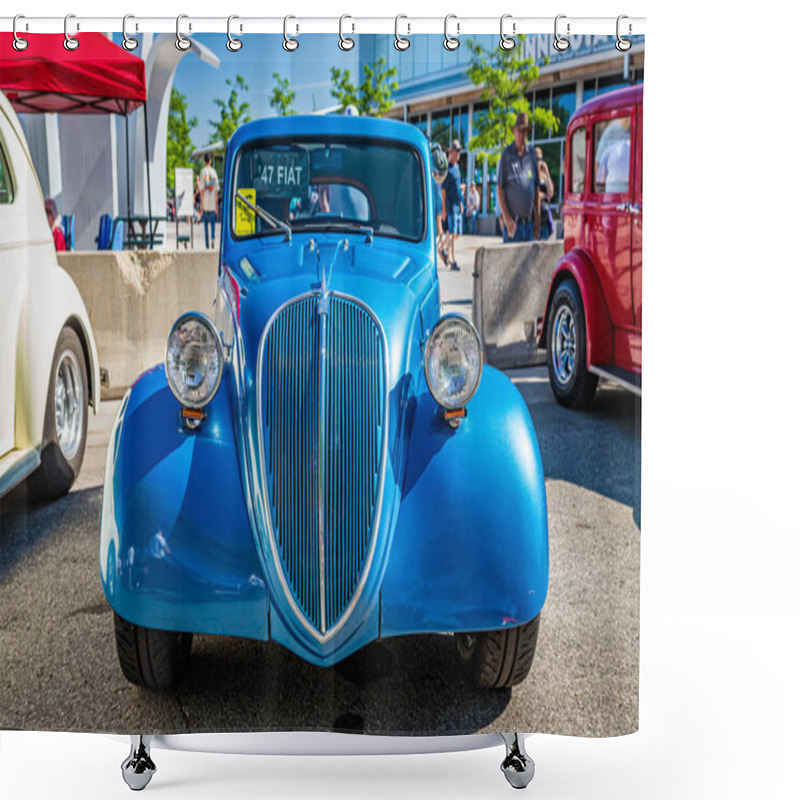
column 599, row 334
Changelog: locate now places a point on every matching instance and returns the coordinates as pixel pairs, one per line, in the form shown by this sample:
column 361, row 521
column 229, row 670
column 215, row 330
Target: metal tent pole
column 147, row 157
column 127, row 174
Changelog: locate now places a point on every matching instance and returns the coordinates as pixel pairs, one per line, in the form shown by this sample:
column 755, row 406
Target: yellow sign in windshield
column 245, row 216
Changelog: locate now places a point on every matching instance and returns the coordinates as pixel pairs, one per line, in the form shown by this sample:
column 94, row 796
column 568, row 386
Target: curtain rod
column 406, row 25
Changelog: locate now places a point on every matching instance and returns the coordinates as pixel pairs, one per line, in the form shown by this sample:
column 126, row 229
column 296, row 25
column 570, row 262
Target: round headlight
column 193, row 360
column 453, row 361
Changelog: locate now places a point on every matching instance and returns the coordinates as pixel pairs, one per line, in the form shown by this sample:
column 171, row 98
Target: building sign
column 184, row 192
column 540, row 46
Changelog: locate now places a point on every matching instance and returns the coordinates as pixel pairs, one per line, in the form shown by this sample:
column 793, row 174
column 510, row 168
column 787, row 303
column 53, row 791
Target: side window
column 612, row 155
column 578, row 166
column 6, row 189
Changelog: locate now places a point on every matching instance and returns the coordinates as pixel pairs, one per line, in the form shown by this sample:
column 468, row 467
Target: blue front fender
column 176, row 547
column 470, row 550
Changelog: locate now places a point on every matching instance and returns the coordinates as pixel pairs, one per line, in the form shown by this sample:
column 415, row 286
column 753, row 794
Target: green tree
column 179, row 136
column 232, row 112
column 282, row 96
column 373, row 96
column 506, row 77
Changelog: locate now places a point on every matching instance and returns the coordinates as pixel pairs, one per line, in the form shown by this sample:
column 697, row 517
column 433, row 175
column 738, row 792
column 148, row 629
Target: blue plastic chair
column 68, row 223
column 105, row 233
column 117, row 232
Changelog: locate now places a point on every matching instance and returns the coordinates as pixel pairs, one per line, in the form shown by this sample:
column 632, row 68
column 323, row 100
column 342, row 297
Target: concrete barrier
column 133, row 297
column 510, row 286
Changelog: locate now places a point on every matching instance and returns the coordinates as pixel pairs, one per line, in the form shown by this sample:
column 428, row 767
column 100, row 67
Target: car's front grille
column 324, row 406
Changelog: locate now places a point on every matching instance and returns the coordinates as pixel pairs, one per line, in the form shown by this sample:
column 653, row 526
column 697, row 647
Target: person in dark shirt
column 518, row 187
column 453, row 203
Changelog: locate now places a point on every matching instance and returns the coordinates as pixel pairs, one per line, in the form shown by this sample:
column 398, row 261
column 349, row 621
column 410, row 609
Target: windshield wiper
column 337, row 223
column 265, row 215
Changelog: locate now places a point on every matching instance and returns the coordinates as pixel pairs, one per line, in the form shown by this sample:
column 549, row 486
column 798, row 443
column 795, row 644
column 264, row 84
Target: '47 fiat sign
column 281, row 173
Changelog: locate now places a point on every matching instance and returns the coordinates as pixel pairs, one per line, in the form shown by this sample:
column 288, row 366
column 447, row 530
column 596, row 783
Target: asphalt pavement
column 59, row 665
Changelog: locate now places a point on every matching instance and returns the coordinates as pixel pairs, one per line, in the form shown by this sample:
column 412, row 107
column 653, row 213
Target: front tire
column 572, row 383
column 499, row 659
column 65, row 420
column 154, row 659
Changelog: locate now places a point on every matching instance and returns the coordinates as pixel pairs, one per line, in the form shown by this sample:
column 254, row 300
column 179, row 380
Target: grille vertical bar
column 337, row 404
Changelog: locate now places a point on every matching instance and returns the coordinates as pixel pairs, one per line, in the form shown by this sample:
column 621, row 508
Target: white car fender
column 43, row 316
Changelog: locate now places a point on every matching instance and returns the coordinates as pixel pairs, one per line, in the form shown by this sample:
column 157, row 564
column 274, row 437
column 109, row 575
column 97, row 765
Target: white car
column 49, row 371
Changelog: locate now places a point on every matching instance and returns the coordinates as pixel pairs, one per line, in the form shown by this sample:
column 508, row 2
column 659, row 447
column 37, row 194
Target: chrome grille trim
column 322, row 635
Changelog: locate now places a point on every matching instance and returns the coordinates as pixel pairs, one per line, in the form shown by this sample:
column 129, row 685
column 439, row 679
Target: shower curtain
column 345, row 390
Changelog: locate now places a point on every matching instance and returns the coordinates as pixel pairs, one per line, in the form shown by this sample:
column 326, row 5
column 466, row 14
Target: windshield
column 329, row 183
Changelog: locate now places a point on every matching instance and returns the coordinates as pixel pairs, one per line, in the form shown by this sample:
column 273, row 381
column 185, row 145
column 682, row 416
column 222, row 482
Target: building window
column 563, row 106
column 610, row 83
column 541, row 99
column 421, row 122
column 440, row 128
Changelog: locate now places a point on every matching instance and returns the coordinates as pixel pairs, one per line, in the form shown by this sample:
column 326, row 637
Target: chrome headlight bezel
column 209, row 325
column 449, row 319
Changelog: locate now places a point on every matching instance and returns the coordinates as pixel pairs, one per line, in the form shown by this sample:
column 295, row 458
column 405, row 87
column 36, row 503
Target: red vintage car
column 593, row 320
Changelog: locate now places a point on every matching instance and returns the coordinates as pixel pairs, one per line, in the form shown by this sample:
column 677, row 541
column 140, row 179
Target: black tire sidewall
column 56, row 474
column 499, row 659
column 579, row 389
column 154, row 659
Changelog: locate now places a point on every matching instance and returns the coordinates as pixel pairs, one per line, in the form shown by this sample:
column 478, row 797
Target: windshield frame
column 338, row 138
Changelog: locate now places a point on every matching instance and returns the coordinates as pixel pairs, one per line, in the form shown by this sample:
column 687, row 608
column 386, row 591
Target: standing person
column 54, row 221
column 546, row 191
column 453, row 202
column 473, row 204
column 198, row 200
column 437, row 211
column 518, row 187
column 209, row 183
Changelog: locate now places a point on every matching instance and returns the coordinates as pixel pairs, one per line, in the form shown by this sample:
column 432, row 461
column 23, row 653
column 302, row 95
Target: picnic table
column 140, row 239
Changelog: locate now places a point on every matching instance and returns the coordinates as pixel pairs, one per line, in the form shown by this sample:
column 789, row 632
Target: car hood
column 394, row 280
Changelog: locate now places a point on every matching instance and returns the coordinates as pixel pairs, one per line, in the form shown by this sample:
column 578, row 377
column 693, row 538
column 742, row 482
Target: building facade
column 436, row 95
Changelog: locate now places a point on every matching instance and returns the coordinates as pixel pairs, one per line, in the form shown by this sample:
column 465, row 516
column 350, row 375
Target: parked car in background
column 329, row 462
column 593, row 321
column 49, row 372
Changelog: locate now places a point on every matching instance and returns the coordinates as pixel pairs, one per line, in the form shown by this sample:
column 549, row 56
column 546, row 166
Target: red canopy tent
column 98, row 77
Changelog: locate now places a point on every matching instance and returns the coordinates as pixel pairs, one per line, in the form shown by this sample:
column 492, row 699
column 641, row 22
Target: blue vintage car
column 329, row 462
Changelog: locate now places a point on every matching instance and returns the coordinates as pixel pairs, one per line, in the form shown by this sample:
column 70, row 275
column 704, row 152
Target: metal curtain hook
column 451, row 42
column 233, row 44
column 181, row 42
column 506, row 42
column 400, row 42
column 560, row 43
column 128, row 42
column 289, row 44
column 623, row 44
column 345, row 43
column 19, row 43
column 70, row 42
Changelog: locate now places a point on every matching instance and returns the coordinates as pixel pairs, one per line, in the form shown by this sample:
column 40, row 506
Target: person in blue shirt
column 453, row 202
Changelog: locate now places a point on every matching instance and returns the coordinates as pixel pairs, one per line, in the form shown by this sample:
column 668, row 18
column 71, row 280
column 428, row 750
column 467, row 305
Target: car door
column 608, row 228
column 636, row 244
column 13, row 275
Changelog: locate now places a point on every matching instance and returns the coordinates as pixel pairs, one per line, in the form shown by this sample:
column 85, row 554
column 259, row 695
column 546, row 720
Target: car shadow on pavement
column 27, row 526
column 406, row 685
column 599, row 448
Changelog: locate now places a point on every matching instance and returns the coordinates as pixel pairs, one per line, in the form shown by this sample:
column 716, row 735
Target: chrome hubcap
column 563, row 349
column 68, row 405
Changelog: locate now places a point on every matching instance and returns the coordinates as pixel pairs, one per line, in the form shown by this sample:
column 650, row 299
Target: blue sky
column 308, row 70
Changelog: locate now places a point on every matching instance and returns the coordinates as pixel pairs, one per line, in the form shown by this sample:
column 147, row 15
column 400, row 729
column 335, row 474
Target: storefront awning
column 99, row 77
